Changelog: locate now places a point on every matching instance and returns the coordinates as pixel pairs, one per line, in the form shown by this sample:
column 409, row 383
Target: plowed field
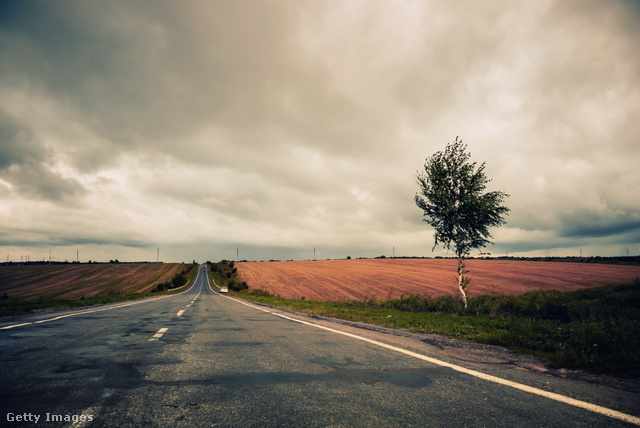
column 336, row 280
column 77, row 280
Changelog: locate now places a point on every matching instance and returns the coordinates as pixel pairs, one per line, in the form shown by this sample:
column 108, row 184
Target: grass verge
column 16, row 306
column 594, row 329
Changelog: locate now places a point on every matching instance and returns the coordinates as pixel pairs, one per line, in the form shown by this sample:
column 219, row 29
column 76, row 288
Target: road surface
column 203, row 359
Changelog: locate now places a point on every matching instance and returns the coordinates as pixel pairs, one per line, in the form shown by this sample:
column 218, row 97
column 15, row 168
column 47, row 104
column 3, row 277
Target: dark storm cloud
column 38, row 181
column 24, row 164
column 597, row 226
column 17, row 144
column 48, row 239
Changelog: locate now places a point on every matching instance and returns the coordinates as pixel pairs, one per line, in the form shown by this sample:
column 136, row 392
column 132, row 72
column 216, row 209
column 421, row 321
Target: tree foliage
column 454, row 203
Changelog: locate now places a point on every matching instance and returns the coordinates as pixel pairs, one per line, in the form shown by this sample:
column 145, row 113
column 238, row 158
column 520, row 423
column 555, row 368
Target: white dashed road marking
column 159, row 334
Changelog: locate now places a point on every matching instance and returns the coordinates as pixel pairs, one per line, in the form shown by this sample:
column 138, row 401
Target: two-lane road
column 199, row 358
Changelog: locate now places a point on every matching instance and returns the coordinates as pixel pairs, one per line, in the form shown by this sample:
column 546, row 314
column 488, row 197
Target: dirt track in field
column 77, row 280
column 336, row 280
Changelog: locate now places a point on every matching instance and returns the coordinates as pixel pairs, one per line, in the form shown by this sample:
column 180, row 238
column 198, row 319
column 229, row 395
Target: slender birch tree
column 455, row 205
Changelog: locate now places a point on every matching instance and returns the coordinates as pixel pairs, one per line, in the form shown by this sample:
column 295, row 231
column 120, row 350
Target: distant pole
column 580, row 252
column 394, row 251
column 49, row 256
column 158, row 256
column 237, row 254
column 314, row 253
column 77, row 255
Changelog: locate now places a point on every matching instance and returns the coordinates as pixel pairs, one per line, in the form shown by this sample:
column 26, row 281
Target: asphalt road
column 203, row 359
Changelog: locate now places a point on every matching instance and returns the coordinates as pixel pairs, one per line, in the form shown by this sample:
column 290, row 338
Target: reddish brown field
column 77, row 280
column 336, row 280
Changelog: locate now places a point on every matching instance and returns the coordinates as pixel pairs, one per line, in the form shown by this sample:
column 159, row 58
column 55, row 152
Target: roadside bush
column 226, row 274
column 179, row 280
column 162, row 287
column 414, row 303
column 237, row 286
column 262, row 293
column 417, row 303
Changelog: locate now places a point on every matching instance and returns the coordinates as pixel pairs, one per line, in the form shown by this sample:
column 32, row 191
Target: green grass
column 594, row 329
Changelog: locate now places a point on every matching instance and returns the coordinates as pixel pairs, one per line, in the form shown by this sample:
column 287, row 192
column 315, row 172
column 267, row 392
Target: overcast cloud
column 274, row 127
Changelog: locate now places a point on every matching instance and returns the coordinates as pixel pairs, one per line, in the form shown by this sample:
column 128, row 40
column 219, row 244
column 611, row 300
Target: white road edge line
column 80, row 313
column 550, row 395
column 15, row 325
column 179, row 314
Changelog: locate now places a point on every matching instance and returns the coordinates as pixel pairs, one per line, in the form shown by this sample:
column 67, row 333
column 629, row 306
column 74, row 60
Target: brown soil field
column 337, row 280
column 78, row 280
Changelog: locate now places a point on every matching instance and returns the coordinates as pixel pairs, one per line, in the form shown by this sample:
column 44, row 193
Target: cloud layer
column 274, row 127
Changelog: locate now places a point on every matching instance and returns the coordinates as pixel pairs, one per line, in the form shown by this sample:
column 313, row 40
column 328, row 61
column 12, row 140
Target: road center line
column 159, row 334
column 179, row 314
column 550, row 395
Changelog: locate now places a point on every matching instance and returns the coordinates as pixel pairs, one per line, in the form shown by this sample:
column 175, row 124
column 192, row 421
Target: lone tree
column 451, row 196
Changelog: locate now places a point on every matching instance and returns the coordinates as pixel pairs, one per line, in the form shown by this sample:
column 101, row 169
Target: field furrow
column 83, row 280
column 337, row 280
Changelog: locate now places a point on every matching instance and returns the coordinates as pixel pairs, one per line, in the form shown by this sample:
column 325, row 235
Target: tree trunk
column 461, row 282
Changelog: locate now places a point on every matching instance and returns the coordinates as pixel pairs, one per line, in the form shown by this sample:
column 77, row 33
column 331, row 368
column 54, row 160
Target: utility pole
column 158, row 256
column 77, row 255
column 314, row 253
column 237, row 254
column 394, row 251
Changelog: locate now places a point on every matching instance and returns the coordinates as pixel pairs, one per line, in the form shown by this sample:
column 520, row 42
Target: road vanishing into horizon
column 202, row 359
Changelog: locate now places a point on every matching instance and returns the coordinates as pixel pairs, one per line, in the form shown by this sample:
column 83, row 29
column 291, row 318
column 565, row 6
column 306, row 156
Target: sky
column 209, row 130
